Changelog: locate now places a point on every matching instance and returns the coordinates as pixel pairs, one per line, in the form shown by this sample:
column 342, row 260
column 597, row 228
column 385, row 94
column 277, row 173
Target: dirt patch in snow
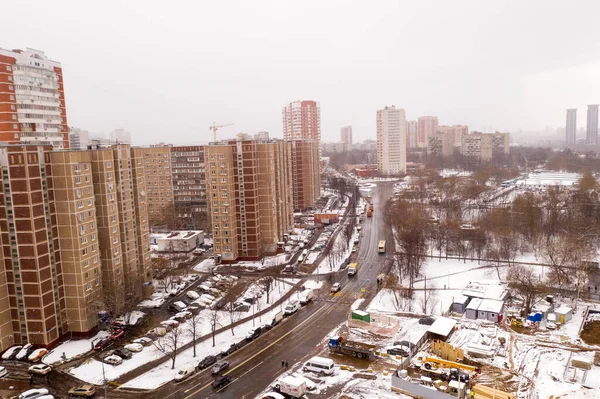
column 591, row 332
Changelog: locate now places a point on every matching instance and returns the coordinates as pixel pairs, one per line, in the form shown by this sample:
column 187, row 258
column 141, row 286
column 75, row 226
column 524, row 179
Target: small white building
column 442, row 327
column 563, row 313
column 490, row 309
column 177, row 241
column 472, row 307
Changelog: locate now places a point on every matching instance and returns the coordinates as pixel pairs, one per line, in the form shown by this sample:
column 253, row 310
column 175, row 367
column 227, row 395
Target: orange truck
column 369, row 213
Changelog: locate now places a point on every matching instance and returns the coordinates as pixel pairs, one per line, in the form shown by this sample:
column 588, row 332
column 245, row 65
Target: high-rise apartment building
column 391, row 141
column 411, row 134
column 346, row 133
column 454, row 134
column 301, row 121
column 440, row 144
column 306, row 178
column 482, row 147
column 32, row 99
column 571, row 126
column 591, row 134
column 79, row 139
column 426, row 126
column 189, row 183
column 74, row 233
column 249, row 192
column 159, row 178
column 120, row 136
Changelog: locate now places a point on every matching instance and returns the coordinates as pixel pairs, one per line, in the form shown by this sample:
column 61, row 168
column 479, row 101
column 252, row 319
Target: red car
column 103, row 343
column 117, row 334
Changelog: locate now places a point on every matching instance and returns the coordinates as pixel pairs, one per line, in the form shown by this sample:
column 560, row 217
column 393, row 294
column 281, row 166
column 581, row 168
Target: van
column 275, row 320
column 306, row 296
column 292, row 307
column 319, row 365
column 184, row 373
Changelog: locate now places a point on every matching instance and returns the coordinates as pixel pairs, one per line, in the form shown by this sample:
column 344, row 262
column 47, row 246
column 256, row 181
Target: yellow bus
column 381, row 248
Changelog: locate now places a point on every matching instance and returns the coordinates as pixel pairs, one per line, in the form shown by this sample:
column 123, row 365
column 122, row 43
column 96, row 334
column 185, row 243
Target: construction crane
column 216, row 127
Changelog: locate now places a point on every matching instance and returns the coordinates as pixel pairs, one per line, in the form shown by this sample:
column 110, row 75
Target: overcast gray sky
column 165, row 70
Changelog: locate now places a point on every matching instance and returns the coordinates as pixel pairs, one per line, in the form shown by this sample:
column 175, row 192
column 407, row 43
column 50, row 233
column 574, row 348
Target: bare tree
column 527, row 285
column 213, row 319
column 267, row 284
column 169, row 343
column 194, row 328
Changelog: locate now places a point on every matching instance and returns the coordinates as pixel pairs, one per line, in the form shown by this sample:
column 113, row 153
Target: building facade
column 391, row 141
column 305, row 172
column 571, row 126
column 74, row 234
column 346, row 135
column 301, row 121
column 411, row 134
column 250, row 197
column 189, row 183
column 441, row 145
column 454, row 134
column 32, row 99
column 591, row 133
column 482, row 147
column 79, row 139
column 426, row 126
column 158, row 177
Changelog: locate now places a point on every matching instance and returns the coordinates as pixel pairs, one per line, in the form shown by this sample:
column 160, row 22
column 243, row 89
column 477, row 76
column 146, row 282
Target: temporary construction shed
column 490, row 309
column 563, row 313
column 472, row 307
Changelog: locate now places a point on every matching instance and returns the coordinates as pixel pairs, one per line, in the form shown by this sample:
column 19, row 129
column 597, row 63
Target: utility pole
column 216, row 127
column 105, row 384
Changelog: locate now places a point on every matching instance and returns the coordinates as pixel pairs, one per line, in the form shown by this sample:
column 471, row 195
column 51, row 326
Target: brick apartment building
column 74, row 238
column 32, row 99
column 482, row 147
column 189, row 182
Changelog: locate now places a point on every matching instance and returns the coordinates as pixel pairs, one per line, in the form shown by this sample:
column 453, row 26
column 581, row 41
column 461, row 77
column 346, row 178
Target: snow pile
column 72, row 349
column 205, row 266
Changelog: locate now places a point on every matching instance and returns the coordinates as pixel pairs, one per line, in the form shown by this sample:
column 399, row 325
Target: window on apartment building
column 88, row 287
column 95, row 260
column 8, row 68
column 87, row 274
column 117, row 261
column 111, row 197
column 212, row 156
column 108, row 164
column 97, row 282
column 221, row 156
column 78, row 192
column 89, row 202
column 93, row 236
column 79, row 204
column 11, row 87
column 94, row 248
column 15, row 126
column 115, row 240
column 86, row 263
column 214, row 187
column 114, row 229
column 227, row 248
column 225, row 217
column 77, row 179
column 96, row 271
column 213, row 172
column 84, row 251
column 12, row 107
column 110, row 186
column 86, row 166
column 14, row 117
column 12, row 98
column 223, row 195
column 84, row 240
column 109, row 175
column 87, row 179
column 88, row 190
column 226, row 225
column 81, row 217
column 215, row 203
column 76, row 168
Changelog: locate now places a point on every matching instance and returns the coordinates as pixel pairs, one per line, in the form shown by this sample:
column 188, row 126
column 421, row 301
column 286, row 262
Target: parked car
column 118, row 325
column 157, row 303
column 192, row 295
column 113, row 359
column 184, row 373
column 25, row 352
column 171, row 323
column 215, row 291
column 3, row 371
column 292, row 307
column 117, row 334
column 221, row 381
column 33, row 393
column 195, row 309
column 232, row 348
column 37, row 355
column 143, row 341
column 151, row 336
column 11, row 352
column 206, row 362
column 219, row 366
column 40, row 369
column 254, row 333
column 336, row 287
column 160, row 331
column 177, row 307
column 208, row 296
column 123, row 353
column 86, row 390
column 103, row 343
column 398, row 351
column 134, row 347
column 185, row 314
column 204, row 287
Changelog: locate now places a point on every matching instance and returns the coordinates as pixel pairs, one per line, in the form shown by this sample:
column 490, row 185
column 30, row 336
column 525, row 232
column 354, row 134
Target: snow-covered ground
column 163, row 373
column 337, row 255
column 72, row 349
column 205, row 266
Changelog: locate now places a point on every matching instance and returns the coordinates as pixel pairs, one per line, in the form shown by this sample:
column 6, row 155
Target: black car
column 427, row 321
column 206, row 362
column 398, row 352
column 230, row 350
column 123, row 353
column 255, row 333
column 221, row 381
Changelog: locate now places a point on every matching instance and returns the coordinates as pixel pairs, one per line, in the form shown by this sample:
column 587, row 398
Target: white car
column 336, row 287
column 113, row 359
column 169, row 323
column 41, row 369
column 204, row 286
column 186, row 314
column 193, row 295
column 145, row 341
column 208, row 296
column 157, row 303
column 134, row 347
column 23, row 352
column 11, row 351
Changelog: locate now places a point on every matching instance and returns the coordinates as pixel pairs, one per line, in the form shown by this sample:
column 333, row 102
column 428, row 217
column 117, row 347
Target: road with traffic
column 254, row 367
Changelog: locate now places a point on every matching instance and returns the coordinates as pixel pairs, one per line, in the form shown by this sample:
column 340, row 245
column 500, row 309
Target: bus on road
column 381, row 248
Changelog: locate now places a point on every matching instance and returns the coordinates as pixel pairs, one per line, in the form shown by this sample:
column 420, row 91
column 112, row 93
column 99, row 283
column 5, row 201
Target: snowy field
column 72, row 349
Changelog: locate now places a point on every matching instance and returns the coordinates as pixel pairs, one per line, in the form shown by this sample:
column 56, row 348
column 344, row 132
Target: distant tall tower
column 411, row 134
column 571, row 127
column 301, row 121
column 591, row 134
column 427, row 126
column 391, row 141
column 346, row 133
column 32, row 99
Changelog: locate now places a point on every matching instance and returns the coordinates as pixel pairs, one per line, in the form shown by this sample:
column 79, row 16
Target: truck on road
column 292, row 387
column 360, row 350
column 306, row 296
column 275, row 320
column 352, row 269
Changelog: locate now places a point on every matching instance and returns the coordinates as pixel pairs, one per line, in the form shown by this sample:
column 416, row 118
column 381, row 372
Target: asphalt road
column 254, row 367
